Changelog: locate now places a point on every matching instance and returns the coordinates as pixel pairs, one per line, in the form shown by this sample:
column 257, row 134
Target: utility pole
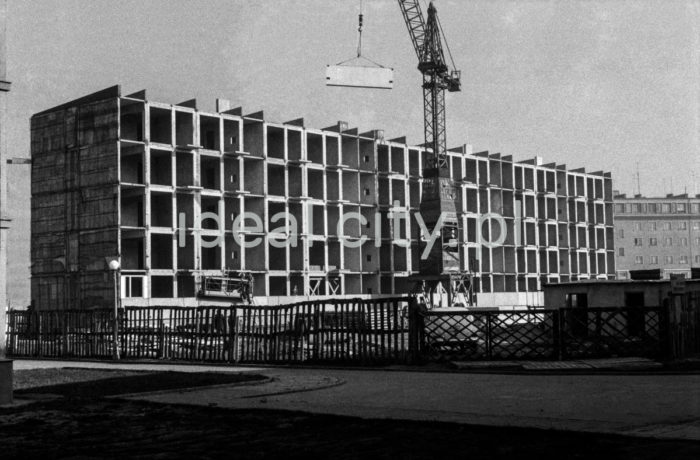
column 5, row 365
column 4, row 221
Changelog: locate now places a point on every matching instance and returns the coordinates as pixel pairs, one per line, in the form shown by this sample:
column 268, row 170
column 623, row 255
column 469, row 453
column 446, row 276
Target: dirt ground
column 83, row 423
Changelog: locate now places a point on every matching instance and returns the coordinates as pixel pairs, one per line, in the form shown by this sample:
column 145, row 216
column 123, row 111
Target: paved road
column 665, row 406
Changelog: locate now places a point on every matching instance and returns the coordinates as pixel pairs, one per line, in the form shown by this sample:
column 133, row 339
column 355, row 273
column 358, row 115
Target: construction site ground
column 346, row 413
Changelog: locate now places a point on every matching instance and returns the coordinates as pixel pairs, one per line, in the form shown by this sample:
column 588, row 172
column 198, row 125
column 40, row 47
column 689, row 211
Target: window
column 683, row 260
column 653, row 242
column 621, row 233
column 653, row 208
column 697, row 241
column 654, row 260
column 666, row 208
column 639, row 260
column 639, row 208
column 620, row 208
column 369, row 257
column 621, row 252
column 695, row 208
column 668, row 241
column 697, row 259
column 682, row 225
column 683, row 241
column 668, row 260
column 638, row 242
column 366, row 192
column 638, row 226
column 680, row 207
column 652, row 226
column 667, row 226
column 696, row 225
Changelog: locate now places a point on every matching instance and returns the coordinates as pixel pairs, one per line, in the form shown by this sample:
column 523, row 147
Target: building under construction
column 168, row 192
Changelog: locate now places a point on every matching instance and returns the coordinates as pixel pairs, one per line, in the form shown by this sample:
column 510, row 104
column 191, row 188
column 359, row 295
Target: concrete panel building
column 657, row 233
column 142, row 182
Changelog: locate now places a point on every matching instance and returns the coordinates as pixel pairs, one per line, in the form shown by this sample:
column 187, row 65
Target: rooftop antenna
column 639, row 187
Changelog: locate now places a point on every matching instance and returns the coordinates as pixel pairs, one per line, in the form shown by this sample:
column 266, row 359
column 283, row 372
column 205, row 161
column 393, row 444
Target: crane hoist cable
column 360, row 71
column 360, row 25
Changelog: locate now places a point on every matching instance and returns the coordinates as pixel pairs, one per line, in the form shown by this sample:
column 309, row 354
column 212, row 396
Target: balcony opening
column 351, row 187
column 161, row 209
column 278, row 285
column 184, row 169
column 161, row 251
column 367, row 154
column 317, row 256
column 275, row 142
column 276, row 180
column 350, row 151
column 131, row 120
column 253, row 137
column 314, row 148
column 332, row 157
column 294, row 144
column 398, row 159
column 132, row 257
column 209, row 172
column 367, row 185
column 161, row 167
column 131, row 164
column 383, row 158
column 185, row 210
column 185, row 285
column 211, row 258
column 333, row 219
column 316, row 183
column 254, row 173
column 161, row 126
column 277, row 257
column 398, row 192
column 231, row 174
column 161, row 287
column 295, row 183
column 185, row 253
column 231, row 134
column 209, row 204
column 132, row 210
column 209, row 132
column 318, row 220
column 332, row 186
column 232, row 254
column 184, row 129
column 274, row 208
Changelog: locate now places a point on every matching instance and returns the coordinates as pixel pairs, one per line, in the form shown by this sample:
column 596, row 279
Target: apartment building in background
column 657, row 233
column 112, row 175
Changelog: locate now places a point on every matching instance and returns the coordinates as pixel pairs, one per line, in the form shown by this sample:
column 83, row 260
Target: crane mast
column 438, row 198
column 437, row 77
column 441, row 269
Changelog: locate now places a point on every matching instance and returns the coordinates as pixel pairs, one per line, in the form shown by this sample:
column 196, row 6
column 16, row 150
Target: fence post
column 415, row 331
column 489, row 337
column 666, row 332
column 233, row 335
column 556, row 332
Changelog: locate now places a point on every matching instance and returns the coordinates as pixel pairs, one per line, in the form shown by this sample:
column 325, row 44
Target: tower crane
column 439, row 195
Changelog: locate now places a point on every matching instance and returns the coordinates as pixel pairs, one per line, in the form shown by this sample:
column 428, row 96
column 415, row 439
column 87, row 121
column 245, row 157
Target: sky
column 605, row 85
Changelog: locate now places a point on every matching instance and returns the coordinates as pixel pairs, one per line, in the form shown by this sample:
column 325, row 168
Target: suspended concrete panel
column 360, row 77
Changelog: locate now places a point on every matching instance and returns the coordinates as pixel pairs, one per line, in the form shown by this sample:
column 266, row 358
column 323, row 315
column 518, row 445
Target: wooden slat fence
column 349, row 331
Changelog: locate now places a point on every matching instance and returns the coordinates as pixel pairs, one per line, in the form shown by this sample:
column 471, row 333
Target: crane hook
column 359, row 32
